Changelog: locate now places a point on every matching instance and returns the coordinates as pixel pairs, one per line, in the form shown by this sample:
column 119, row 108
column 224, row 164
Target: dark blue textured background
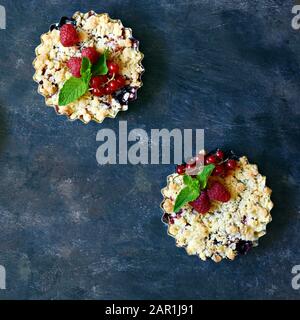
column 70, row 228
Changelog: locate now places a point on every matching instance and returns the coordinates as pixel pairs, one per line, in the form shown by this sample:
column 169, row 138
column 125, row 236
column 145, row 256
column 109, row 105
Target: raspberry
column 202, row 203
column 74, row 64
column 68, row 35
column 218, row 192
column 91, row 54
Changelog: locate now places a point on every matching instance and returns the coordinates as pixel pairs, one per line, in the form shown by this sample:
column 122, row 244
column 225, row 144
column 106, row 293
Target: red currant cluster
column 223, row 166
column 108, row 84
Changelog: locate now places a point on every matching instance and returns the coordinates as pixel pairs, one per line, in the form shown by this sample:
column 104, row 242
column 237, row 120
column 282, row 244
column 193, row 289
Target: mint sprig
column 86, row 70
column 203, row 176
column 100, row 68
column 74, row 88
column 186, row 195
column 193, row 187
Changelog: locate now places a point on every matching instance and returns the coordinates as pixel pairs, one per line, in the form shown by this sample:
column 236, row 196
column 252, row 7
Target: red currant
column 98, row 92
column 113, row 85
column 220, row 154
column 211, row 159
column 107, row 90
column 113, row 68
column 181, row 169
column 98, row 81
column 231, row 164
column 219, row 170
column 121, row 81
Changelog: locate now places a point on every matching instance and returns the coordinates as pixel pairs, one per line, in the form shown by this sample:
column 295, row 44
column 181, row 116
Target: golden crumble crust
column 216, row 234
column 101, row 32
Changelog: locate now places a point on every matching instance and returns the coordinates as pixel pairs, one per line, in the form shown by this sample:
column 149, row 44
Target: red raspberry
column 90, row 53
column 202, row 203
column 74, row 64
column 218, row 192
column 68, row 35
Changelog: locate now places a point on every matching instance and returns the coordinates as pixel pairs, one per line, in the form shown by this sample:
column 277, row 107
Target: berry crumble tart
column 88, row 67
column 217, row 206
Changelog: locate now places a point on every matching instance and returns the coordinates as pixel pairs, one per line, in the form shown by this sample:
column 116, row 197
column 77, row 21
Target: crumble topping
column 227, row 226
column 101, row 32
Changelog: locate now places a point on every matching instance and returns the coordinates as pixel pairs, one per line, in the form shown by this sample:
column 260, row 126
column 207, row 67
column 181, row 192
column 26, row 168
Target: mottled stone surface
column 70, row 228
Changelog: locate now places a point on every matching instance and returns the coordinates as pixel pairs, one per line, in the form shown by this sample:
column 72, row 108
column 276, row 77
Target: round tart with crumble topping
column 88, row 67
column 217, row 206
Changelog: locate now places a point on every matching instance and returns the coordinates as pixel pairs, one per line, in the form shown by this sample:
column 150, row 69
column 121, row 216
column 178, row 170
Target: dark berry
column 90, row 53
column 243, row 247
column 180, row 169
column 231, row 164
column 74, row 65
column 220, row 154
column 179, row 214
column 211, row 159
column 113, row 68
column 165, row 218
column 68, row 35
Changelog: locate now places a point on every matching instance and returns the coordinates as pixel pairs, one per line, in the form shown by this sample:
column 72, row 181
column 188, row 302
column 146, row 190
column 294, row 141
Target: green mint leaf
column 86, row 70
column 100, row 68
column 188, row 180
column 185, row 196
column 72, row 90
column 204, row 175
column 86, row 66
